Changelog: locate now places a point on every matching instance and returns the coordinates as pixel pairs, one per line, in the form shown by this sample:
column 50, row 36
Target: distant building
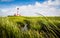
column 16, row 14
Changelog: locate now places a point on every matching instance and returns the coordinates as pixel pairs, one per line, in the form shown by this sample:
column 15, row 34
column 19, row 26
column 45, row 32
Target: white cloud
column 47, row 8
column 55, row 2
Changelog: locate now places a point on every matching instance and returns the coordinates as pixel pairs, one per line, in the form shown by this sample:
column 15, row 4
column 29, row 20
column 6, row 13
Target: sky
column 30, row 7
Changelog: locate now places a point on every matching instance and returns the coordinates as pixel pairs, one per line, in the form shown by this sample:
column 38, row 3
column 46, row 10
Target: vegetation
column 38, row 27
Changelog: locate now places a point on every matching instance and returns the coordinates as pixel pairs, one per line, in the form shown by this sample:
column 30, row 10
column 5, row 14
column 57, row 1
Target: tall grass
column 10, row 27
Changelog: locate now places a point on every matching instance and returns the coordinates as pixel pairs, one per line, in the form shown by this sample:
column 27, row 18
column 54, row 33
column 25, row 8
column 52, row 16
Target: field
column 29, row 27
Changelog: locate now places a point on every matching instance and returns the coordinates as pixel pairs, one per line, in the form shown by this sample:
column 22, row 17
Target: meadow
column 37, row 27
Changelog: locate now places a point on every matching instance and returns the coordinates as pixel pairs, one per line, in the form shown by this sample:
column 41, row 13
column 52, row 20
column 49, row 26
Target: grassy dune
column 38, row 27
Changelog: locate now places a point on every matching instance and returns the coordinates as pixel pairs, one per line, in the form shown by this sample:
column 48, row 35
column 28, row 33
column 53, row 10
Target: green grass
column 38, row 27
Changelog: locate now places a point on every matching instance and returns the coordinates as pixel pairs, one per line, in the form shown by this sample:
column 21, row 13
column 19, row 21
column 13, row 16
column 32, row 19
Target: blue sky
column 7, row 3
column 30, row 7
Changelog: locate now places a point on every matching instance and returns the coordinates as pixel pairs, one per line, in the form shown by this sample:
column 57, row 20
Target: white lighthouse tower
column 17, row 13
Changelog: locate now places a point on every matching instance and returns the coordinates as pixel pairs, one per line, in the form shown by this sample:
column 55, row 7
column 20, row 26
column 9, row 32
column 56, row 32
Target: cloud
column 55, row 2
column 6, row 0
column 48, row 8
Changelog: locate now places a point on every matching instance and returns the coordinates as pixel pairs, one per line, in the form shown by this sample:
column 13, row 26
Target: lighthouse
column 17, row 13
